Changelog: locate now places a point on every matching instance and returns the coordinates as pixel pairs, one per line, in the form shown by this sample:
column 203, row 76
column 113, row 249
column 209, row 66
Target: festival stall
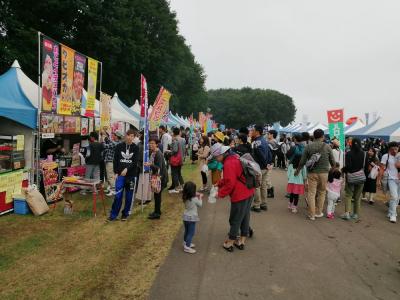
column 18, row 119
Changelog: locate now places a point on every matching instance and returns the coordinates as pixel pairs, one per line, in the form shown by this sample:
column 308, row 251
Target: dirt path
column 289, row 257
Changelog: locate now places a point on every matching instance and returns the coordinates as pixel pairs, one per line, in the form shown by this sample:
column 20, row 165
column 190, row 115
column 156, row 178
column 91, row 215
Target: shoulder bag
column 357, row 177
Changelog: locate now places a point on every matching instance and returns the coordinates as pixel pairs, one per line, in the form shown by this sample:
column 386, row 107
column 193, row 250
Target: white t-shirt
column 166, row 140
column 391, row 169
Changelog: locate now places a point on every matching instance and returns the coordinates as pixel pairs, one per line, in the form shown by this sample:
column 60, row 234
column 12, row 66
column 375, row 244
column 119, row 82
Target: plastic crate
column 21, row 207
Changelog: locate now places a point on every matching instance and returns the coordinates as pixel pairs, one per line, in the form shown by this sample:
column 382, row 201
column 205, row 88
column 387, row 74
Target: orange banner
column 160, row 106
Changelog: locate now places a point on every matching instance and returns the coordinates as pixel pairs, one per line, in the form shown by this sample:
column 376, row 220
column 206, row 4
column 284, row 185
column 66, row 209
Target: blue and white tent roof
column 391, row 132
column 14, row 101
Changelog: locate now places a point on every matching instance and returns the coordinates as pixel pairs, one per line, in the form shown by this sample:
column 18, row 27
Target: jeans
column 176, row 175
column 190, row 228
column 127, row 184
column 157, row 203
column 353, row 192
column 239, row 218
column 394, row 189
column 92, row 172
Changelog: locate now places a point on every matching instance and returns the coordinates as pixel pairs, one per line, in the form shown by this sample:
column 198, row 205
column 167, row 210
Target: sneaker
column 290, row 206
column 191, row 245
column 124, row 219
column 364, row 198
column 264, row 207
column 320, row 215
column 110, row 220
column 174, row 191
column 354, row 216
column 393, row 219
column 311, row 218
column 345, row 216
column 110, row 193
column 189, row 250
column 371, row 202
column 330, row 216
column 256, row 209
column 294, row 209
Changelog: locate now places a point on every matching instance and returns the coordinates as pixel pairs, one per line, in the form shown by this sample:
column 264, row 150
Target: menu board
column 51, row 123
column 20, row 142
column 50, row 180
column 11, row 184
column 97, row 124
column 84, row 126
column 72, row 124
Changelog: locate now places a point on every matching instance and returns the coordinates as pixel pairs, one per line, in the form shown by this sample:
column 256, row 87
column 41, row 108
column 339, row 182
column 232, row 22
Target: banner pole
column 37, row 140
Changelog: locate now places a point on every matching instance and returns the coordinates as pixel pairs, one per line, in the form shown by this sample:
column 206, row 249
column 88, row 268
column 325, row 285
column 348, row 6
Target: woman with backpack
column 296, row 184
column 355, row 162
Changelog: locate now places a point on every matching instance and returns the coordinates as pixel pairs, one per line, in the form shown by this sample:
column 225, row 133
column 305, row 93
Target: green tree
column 242, row 107
column 130, row 37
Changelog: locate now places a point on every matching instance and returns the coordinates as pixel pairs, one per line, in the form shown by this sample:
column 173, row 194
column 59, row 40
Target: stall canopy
column 388, row 133
column 355, row 126
column 314, row 127
column 14, row 103
column 136, row 107
column 122, row 113
column 364, row 131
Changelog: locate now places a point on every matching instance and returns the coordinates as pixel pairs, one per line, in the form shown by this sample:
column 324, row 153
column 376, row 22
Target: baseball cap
column 119, row 134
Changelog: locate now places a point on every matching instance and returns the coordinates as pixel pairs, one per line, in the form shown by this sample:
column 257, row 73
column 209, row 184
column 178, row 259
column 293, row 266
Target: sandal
column 229, row 249
column 239, row 246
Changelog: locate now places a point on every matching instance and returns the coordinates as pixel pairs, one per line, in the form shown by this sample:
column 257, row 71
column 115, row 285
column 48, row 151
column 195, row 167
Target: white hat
column 218, row 149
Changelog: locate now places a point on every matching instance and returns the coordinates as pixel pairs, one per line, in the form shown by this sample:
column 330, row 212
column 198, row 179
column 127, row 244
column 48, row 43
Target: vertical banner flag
column 67, row 74
column 143, row 85
column 336, row 126
column 166, row 115
column 50, row 55
column 105, row 111
column 144, row 99
column 159, row 108
column 77, row 85
column 91, row 90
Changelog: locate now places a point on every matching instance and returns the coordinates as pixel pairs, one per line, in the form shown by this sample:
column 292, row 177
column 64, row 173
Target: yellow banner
column 160, row 106
column 91, row 91
column 105, row 111
column 64, row 106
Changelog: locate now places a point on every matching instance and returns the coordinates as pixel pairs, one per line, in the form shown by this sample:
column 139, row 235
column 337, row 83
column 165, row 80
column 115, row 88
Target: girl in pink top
column 333, row 187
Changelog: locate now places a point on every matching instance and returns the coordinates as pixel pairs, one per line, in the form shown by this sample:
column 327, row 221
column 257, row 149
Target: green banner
column 337, row 130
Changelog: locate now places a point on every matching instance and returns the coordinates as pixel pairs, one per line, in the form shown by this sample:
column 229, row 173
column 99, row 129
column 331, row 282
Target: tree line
column 241, row 107
column 130, row 37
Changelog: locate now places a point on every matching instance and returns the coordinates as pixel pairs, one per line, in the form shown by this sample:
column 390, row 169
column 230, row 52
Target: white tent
column 121, row 113
column 366, row 130
column 29, row 87
column 316, row 126
column 136, row 107
column 355, row 126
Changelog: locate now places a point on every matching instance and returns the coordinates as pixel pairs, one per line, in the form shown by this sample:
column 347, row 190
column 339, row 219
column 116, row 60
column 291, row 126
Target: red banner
column 335, row 116
column 143, row 95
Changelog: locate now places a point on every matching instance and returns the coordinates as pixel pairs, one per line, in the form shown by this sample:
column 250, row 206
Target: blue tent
column 14, row 104
column 388, row 133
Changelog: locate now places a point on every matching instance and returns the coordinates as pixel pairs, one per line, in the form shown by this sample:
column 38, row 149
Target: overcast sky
column 324, row 54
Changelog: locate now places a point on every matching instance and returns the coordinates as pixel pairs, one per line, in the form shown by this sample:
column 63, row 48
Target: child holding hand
column 192, row 201
column 333, row 188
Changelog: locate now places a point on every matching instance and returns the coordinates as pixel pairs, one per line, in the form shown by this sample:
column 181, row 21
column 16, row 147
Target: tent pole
column 37, row 140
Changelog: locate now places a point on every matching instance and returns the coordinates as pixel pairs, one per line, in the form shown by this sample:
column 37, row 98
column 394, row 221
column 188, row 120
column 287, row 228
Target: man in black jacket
column 125, row 169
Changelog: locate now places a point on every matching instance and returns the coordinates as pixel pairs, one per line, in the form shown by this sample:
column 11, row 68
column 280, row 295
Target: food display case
column 11, row 153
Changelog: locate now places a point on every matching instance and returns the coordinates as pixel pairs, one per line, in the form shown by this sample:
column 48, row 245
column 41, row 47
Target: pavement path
column 288, row 258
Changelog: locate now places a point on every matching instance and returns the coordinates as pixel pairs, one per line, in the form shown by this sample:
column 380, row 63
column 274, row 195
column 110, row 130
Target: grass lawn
column 56, row 256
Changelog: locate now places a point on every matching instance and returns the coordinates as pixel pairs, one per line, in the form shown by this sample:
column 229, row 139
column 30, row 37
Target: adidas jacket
column 126, row 156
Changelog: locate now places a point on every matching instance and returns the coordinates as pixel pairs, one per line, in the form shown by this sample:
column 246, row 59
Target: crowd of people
column 239, row 164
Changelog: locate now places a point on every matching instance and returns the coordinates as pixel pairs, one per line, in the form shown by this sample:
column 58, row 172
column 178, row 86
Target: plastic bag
column 204, row 168
column 212, row 198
